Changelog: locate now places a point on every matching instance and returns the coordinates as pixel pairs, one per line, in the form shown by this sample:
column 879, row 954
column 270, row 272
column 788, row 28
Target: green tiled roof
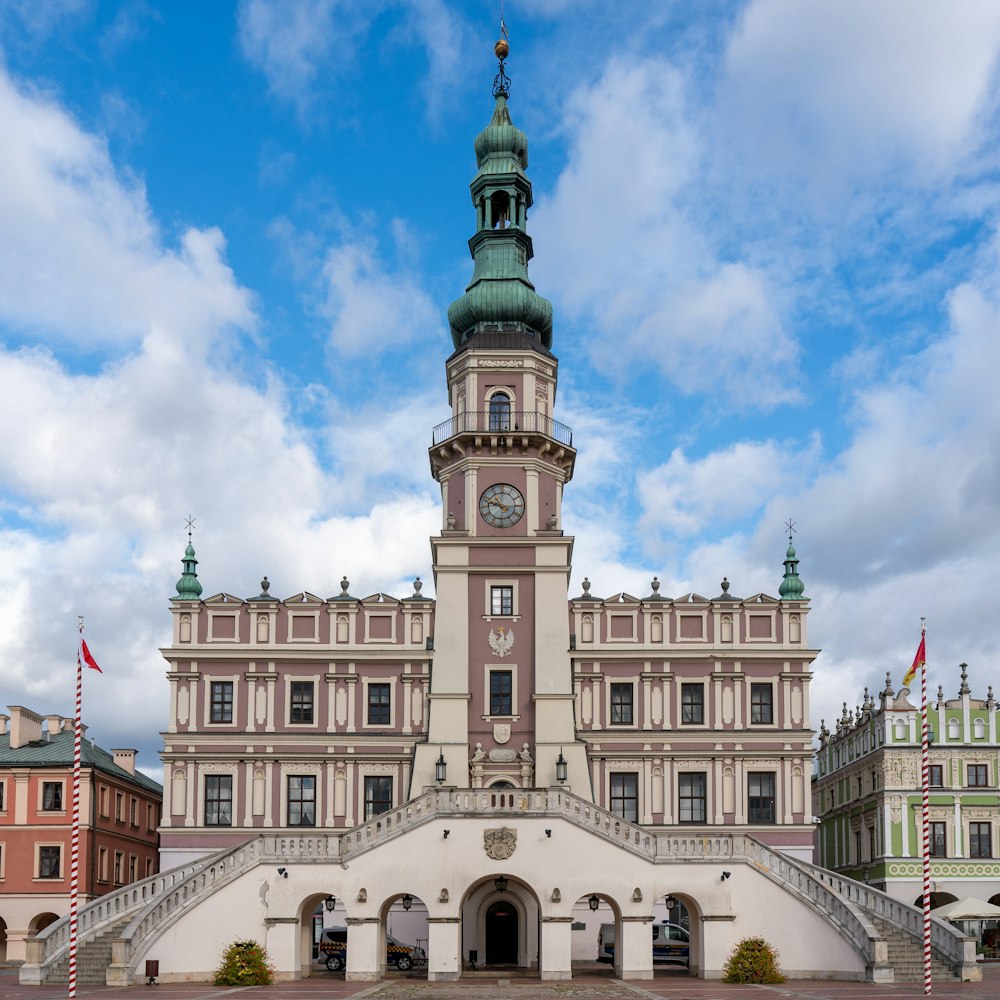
column 58, row 752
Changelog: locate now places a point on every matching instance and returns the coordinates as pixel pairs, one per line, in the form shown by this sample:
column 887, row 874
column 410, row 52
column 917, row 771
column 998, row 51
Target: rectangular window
column 978, row 776
column 52, row 796
column 979, row 841
column 761, row 704
column 692, row 704
column 378, row 704
column 625, row 796
column 104, row 797
column 149, row 867
column 857, row 847
column 3, row 788
column 133, row 869
column 872, row 844
column 502, row 600
column 621, row 704
column 861, row 786
column 301, row 799
column 49, row 862
column 302, row 702
column 133, row 810
column 378, row 795
column 501, row 692
column 760, row 797
column 939, row 847
column 218, row 800
column 102, row 864
column 935, row 775
column 119, row 807
column 222, row 701
column 119, row 868
column 150, row 817
column 691, row 797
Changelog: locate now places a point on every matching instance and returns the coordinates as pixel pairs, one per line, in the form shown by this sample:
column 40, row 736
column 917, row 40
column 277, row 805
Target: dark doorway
column 501, row 934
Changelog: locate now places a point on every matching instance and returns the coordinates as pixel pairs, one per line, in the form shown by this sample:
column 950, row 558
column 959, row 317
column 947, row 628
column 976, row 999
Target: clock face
column 501, row 505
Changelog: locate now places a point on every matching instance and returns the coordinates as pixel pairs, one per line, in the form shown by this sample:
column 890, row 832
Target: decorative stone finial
column 417, row 585
column 451, row 521
column 344, row 584
column 264, row 585
column 553, row 521
column 655, row 585
column 888, row 691
column 964, row 689
column 586, row 586
column 990, row 701
column 940, row 696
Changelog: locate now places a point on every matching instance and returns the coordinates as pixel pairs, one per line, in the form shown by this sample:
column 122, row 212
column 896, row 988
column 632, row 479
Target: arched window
column 499, row 412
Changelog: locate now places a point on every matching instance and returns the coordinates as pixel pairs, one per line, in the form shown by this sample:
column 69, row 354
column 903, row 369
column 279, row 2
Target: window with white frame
column 52, row 796
column 501, row 692
column 222, row 702
column 621, row 704
column 692, row 704
column 761, row 704
column 218, row 800
column 980, row 840
column 379, row 697
column 760, row 797
column 301, row 703
column 624, row 797
column 49, row 861
column 502, row 599
column 691, row 797
column 378, row 794
column 301, row 800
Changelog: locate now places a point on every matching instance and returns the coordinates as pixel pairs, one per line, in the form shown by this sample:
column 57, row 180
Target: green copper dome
column 792, row 588
column 500, row 295
column 188, row 587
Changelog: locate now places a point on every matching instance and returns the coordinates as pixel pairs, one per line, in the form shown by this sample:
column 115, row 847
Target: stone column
column 444, row 948
column 635, row 950
column 282, row 943
column 556, row 952
column 364, row 964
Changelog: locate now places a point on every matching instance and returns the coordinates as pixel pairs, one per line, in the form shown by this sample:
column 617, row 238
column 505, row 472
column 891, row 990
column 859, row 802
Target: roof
column 503, row 340
column 58, row 752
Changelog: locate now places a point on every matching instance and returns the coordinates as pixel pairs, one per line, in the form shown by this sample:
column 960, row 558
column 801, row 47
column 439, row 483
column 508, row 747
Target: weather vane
column 501, row 82
column 790, row 525
column 189, row 524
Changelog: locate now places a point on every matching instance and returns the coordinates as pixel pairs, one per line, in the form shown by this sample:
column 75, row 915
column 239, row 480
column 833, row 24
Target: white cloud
column 849, row 89
column 620, row 244
column 685, row 497
column 81, row 259
column 370, row 308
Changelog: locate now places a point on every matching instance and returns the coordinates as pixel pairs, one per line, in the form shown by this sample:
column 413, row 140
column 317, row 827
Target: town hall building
column 499, row 770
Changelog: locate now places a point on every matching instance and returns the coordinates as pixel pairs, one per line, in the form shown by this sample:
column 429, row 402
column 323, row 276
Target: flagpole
column 926, row 797
column 74, row 870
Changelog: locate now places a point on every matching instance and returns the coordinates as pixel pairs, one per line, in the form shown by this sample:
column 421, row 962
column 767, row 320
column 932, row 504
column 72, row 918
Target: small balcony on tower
column 502, row 423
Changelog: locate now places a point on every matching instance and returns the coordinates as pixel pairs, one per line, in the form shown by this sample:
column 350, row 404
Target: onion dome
column 188, row 587
column 792, row 588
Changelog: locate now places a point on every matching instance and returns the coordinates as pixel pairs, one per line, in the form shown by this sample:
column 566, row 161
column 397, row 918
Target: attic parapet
column 303, row 621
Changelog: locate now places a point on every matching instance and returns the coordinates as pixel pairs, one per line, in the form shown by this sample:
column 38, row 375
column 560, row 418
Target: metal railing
column 504, row 422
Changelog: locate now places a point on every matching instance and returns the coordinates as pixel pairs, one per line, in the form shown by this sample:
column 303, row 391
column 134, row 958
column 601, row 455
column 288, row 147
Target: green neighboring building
column 867, row 795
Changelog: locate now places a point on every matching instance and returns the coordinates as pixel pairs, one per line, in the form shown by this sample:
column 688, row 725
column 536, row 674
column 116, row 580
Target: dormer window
column 499, row 412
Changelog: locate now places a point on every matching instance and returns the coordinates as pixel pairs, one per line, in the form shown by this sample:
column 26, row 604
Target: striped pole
column 926, row 796
column 74, row 864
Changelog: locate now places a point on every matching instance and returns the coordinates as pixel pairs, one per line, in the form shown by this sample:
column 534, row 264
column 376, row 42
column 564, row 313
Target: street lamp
column 501, row 883
column 561, row 768
column 670, row 903
column 330, row 903
column 594, row 902
column 407, row 901
column 440, row 767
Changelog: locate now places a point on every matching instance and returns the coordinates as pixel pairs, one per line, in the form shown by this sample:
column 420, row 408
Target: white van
column 671, row 943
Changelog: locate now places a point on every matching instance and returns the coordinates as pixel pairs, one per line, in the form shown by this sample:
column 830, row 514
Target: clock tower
column 501, row 700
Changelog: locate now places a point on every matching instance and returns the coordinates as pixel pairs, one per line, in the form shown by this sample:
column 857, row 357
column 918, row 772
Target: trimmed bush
column 244, row 963
column 753, row 960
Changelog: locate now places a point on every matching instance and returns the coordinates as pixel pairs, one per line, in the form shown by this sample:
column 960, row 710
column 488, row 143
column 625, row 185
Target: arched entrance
column 501, row 928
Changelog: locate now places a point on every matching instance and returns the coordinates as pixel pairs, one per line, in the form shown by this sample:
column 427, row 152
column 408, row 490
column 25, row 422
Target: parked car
column 671, row 943
column 333, row 945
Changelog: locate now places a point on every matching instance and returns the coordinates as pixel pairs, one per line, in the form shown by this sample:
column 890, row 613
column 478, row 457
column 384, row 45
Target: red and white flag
column 85, row 656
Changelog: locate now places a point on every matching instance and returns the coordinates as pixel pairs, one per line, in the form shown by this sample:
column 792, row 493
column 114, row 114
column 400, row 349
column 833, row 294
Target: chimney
column 53, row 725
column 4, row 719
column 25, row 726
column 125, row 759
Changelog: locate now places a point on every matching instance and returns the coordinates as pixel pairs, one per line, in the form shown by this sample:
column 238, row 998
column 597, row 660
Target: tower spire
column 188, row 586
column 792, row 588
column 500, row 296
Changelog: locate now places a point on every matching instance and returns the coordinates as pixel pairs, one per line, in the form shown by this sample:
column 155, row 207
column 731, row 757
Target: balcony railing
column 503, row 422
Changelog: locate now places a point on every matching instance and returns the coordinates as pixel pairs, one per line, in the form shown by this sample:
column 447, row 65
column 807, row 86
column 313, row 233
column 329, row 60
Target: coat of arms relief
column 499, row 844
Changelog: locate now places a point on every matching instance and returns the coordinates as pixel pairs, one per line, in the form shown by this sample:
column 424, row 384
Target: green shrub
column 244, row 963
column 753, row 960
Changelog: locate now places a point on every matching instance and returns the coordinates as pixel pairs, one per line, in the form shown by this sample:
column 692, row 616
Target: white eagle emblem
column 501, row 643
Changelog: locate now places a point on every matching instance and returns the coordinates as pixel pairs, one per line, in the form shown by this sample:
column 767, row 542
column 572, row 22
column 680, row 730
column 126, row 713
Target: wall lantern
column 407, row 901
column 501, row 883
column 440, row 768
column 670, row 902
column 561, row 768
column 594, row 902
column 330, row 903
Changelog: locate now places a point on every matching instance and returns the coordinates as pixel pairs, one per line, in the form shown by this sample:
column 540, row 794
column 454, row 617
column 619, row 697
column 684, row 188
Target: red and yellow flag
column 918, row 661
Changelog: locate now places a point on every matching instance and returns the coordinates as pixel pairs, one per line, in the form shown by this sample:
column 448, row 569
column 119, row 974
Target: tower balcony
column 513, row 422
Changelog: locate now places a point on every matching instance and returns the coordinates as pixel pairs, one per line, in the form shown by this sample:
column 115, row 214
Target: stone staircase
column 906, row 956
column 92, row 959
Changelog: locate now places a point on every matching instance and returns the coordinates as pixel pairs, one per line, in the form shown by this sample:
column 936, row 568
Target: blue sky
column 229, row 233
